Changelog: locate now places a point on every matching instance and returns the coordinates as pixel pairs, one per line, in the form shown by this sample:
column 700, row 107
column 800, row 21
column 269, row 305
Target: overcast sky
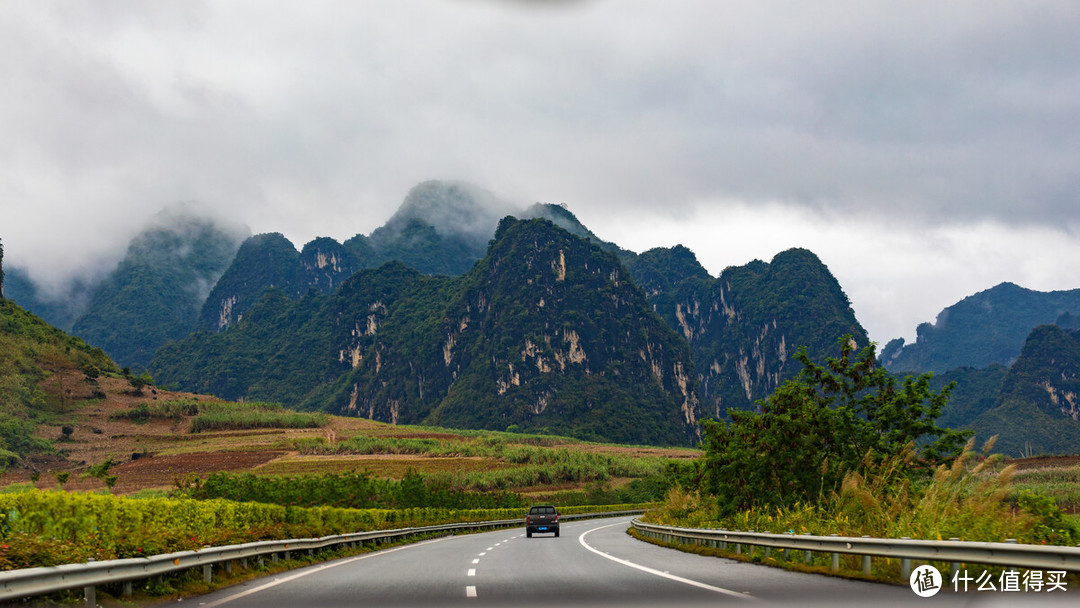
column 925, row 150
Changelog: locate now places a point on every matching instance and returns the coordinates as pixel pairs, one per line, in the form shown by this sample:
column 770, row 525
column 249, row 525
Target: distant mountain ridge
column 1037, row 410
column 740, row 328
column 766, row 329
column 415, row 346
column 441, row 228
column 59, row 312
column 154, row 293
column 547, row 332
column 985, row 328
column 744, row 325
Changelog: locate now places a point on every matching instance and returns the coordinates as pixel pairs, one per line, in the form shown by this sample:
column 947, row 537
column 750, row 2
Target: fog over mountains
column 330, row 326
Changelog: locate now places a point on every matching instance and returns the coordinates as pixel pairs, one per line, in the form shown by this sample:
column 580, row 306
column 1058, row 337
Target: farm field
column 1055, row 476
column 155, row 445
column 158, row 451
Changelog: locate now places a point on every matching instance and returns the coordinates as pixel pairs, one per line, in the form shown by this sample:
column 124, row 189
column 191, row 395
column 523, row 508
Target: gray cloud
column 317, row 118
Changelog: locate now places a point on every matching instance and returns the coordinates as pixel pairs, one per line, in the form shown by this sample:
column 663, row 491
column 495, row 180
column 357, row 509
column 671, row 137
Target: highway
column 592, row 563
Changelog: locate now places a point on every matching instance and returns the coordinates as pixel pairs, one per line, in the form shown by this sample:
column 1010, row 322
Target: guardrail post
column 128, row 589
column 808, row 556
column 208, row 573
column 228, row 566
column 835, row 565
column 1012, row 541
column 954, row 567
column 866, row 563
column 89, row 592
column 905, row 564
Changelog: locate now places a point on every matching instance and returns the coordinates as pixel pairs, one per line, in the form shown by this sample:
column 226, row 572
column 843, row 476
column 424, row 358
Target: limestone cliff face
column 744, row 326
column 1037, row 409
column 1047, row 373
column 547, row 332
column 324, row 265
column 263, row 261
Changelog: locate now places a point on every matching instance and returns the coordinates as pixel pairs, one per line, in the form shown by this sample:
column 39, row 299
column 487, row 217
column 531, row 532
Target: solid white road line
column 693, row 583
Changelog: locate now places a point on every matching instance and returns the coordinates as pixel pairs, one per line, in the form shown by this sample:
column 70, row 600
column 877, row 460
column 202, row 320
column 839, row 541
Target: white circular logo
column 925, row 581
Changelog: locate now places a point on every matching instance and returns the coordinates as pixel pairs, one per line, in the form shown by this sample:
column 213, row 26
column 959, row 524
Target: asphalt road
column 592, row 563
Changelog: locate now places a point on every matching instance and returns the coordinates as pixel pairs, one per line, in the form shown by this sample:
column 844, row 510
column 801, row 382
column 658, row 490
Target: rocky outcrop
column 743, row 326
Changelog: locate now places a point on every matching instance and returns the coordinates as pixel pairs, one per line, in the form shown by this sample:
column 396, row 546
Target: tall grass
column 219, row 416
column 223, row 420
column 969, row 500
column 534, row 465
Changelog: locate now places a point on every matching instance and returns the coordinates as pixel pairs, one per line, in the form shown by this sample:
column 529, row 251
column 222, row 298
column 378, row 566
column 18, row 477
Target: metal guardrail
column 31, row 582
column 1032, row 557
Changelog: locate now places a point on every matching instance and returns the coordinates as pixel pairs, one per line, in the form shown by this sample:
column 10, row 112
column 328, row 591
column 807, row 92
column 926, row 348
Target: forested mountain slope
column 546, row 332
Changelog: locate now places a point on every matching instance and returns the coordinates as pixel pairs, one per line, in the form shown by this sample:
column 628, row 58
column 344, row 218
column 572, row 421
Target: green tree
column 91, row 372
column 100, row 470
column 846, row 415
column 140, row 382
column 414, row 492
